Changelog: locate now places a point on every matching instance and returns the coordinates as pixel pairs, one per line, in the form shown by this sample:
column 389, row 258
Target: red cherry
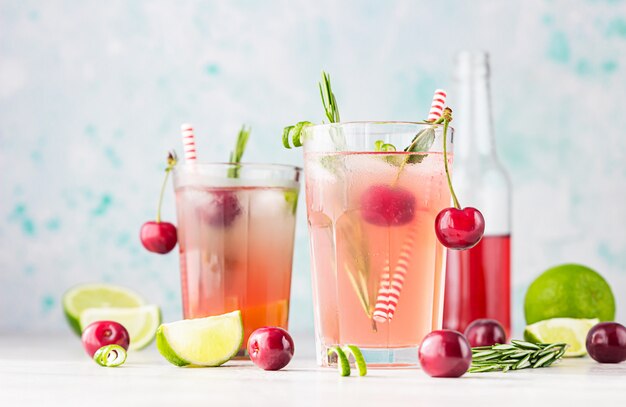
column 102, row 333
column 383, row 205
column 445, row 353
column 606, row 342
column 270, row 348
column 158, row 237
column 485, row 332
column 459, row 228
column 221, row 210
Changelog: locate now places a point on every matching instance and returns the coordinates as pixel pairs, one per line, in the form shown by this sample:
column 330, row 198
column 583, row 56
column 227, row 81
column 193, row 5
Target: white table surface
column 53, row 370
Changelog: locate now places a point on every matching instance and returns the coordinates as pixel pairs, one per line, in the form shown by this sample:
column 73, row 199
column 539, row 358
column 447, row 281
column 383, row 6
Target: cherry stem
column 167, row 174
column 446, row 122
column 171, row 163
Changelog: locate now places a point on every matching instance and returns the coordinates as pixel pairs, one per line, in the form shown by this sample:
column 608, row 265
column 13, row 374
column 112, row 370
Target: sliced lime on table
column 566, row 330
column 79, row 298
column 140, row 322
column 209, row 341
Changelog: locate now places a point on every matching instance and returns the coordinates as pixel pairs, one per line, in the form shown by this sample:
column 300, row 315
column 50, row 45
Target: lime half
column 140, row 322
column 567, row 330
column 569, row 291
column 79, row 298
column 209, row 341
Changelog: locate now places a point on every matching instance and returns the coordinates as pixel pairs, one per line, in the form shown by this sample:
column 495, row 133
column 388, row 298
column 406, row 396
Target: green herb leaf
column 422, row 142
column 328, row 99
column 515, row 356
column 240, row 147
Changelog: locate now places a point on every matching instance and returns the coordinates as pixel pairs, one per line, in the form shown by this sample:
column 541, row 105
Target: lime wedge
column 110, row 356
column 291, row 196
column 79, row 298
column 342, row 360
column 140, row 322
column 209, row 341
column 566, row 330
column 359, row 360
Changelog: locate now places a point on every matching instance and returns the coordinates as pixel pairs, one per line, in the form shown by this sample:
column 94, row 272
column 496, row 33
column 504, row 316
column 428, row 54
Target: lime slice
column 140, row 322
column 291, row 196
column 342, row 360
column 359, row 360
column 110, row 356
column 209, row 341
column 79, row 298
column 566, row 330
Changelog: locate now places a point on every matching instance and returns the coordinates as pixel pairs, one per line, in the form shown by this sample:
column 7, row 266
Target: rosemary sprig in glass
column 240, row 147
column 514, row 356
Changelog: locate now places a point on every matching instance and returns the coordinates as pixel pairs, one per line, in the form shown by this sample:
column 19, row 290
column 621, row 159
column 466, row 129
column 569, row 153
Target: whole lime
column 569, row 291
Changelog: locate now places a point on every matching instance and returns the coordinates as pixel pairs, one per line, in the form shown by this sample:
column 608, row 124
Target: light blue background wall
column 92, row 94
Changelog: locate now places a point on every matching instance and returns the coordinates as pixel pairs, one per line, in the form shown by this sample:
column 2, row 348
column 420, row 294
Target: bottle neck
column 472, row 116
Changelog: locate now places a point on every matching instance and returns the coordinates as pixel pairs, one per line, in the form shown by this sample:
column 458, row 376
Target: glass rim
column 394, row 122
column 252, row 165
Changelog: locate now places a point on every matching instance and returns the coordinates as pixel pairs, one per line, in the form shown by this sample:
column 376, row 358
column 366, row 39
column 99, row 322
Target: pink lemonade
column 236, row 248
column 371, row 218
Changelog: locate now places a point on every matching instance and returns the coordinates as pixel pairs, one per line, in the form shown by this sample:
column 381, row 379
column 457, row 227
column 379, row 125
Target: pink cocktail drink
column 236, row 241
column 377, row 266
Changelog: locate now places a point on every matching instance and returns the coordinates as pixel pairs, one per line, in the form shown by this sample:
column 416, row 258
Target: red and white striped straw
column 436, row 107
column 189, row 143
column 391, row 286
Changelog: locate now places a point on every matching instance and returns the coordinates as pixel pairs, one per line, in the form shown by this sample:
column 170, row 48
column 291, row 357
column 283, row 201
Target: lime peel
column 342, row 360
column 110, row 356
column 359, row 360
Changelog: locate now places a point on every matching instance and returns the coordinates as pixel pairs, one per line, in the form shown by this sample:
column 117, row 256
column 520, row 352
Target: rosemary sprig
column 328, row 99
column 358, row 270
column 237, row 153
column 514, row 356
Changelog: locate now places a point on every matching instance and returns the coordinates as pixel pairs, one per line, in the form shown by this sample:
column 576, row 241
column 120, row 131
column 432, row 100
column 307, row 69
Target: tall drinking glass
column 377, row 266
column 236, row 227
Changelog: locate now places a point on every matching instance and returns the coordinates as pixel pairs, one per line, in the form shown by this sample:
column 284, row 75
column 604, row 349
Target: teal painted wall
column 92, row 95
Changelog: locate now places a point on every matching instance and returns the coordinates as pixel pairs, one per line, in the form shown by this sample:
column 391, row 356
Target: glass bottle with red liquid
column 478, row 280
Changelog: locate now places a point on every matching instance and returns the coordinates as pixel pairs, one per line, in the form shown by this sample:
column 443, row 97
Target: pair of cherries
column 448, row 353
column 456, row 228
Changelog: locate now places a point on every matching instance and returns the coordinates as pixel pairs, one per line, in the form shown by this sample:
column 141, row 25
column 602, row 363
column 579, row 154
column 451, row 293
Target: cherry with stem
column 157, row 236
column 457, row 228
